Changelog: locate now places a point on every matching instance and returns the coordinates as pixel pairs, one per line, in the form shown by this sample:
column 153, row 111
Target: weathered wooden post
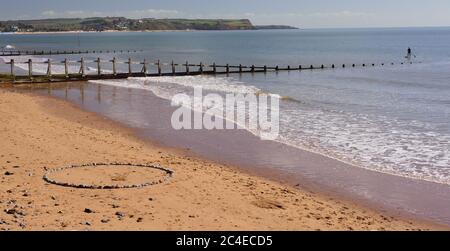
column 159, row 67
column 99, row 70
column 66, row 68
column 114, row 66
column 187, row 67
column 214, row 68
column 265, row 68
column 82, row 67
column 253, row 68
column 322, row 66
column 201, row 68
column 130, row 70
column 289, row 68
column 49, row 68
column 30, row 69
column 228, row 68
column 144, row 67
column 311, row 67
column 277, row 68
column 173, row 68
column 240, row 68
column 300, row 67
column 11, row 62
column 343, row 66
column 333, row 66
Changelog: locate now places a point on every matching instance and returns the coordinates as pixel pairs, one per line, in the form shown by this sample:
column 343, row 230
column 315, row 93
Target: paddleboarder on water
column 409, row 54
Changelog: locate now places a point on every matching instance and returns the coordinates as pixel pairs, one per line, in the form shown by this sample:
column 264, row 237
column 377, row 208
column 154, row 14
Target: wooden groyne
column 146, row 69
column 13, row 53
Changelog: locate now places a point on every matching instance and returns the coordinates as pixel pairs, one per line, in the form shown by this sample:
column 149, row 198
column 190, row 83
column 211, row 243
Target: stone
column 88, row 211
column 7, row 173
column 120, row 215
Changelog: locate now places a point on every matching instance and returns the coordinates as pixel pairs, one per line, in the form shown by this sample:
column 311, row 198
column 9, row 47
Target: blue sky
column 300, row 13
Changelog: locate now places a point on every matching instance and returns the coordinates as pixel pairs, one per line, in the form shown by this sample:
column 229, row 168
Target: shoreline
column 296, row 209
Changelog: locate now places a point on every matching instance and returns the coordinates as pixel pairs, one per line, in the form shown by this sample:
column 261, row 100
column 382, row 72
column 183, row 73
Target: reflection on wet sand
column 150, row 117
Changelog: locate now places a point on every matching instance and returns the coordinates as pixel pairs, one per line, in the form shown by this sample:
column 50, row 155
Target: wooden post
column 49, row 68
column 130, row 71
column 99, row 70
column 201, row 68
column 300, row 67
column 277, row 68
column 173, row 68
column 66, row 68
column 289, row 68
column 144, row 67
column 30, row 69
column 228, row 68
column 214, row 68
column 240, row 68
column 12, row 67
column 187, row 67
column 159, row 67
column 114, row 66
column 343, row 66
column 265, row 68
column 82, row 67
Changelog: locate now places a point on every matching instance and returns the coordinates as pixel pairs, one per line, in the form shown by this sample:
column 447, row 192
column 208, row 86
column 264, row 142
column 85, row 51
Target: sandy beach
column 41, row 133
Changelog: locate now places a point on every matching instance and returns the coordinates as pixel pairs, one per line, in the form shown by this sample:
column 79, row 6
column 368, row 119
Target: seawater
column 392, row 119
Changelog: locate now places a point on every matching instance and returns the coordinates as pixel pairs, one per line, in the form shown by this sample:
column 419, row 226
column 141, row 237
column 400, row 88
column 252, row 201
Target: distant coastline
column 121, row 24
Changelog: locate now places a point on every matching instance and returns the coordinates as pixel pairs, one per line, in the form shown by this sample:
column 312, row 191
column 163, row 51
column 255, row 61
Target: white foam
column 409, row 149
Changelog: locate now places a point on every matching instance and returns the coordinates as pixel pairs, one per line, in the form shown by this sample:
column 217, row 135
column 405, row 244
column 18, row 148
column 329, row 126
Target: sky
column 299, row 13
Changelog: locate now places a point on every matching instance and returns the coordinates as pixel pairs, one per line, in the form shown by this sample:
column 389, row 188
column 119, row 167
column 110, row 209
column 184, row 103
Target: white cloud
column 146, row 13
column 341, row 14
column 48, row 13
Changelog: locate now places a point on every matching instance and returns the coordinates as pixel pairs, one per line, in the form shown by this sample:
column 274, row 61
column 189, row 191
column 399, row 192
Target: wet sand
column 149, row 116
column 40, row 133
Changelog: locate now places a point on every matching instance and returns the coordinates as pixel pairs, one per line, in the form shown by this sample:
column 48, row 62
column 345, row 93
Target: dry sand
column 39, row 133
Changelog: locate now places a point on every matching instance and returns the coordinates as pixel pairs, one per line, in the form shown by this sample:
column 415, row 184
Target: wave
column 372, row 142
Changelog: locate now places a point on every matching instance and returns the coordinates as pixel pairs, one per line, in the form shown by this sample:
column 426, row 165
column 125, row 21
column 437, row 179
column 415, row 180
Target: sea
column 392, row 119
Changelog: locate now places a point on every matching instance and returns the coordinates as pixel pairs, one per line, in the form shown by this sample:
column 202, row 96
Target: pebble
column 7, row 173
column 120, row 215
column 105, row 221
column 88, row 211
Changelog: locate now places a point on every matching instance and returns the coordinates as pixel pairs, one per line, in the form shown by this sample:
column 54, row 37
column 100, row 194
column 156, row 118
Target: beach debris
column 169, row 174
column 105, row 221
column 8, row 173
column 88, row 211
column 120, row 215
column 139, row 220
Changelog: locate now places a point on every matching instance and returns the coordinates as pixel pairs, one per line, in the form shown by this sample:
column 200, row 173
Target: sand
column 39, row 133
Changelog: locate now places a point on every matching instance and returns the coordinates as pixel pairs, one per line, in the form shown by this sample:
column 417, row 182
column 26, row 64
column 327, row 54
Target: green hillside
column 121, row 23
